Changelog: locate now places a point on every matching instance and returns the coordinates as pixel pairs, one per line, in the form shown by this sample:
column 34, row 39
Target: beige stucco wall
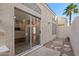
column 74, row 37
column 7, row 24
column 33, row 6
column 61, row 20
column 62, row 28
column 46, row 25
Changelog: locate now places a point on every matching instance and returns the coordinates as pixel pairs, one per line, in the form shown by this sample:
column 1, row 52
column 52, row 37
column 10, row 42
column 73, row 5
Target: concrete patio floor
column 43, row 51
column 57, row 47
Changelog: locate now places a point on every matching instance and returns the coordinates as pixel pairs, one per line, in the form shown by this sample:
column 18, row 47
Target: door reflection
column 35, row 31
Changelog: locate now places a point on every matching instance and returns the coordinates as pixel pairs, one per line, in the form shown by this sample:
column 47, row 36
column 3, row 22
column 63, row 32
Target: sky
column 58, row 8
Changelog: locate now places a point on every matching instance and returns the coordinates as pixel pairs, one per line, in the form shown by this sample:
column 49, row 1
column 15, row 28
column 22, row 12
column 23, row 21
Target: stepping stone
column 58, row 47
column 64, row 54
column 70, row 53
column 66, row 45
column 52, row 45
column 58, row 42
column 59, row 39
column 67, row 49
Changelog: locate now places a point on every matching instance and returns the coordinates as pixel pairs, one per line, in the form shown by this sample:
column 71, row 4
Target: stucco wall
column 61, row 20
column 46, row 25
column 33, row 6
column 74, row 37
column 7, row 24
column 62, row 28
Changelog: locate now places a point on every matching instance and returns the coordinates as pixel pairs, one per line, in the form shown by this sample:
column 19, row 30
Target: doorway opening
column 27, row 31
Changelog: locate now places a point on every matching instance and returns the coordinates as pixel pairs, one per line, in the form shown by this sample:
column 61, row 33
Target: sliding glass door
column 22, row 31
column 27, row 31
column 35, row 31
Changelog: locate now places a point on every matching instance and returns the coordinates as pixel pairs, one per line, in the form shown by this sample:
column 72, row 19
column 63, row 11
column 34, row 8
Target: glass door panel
column 38, row 30
column 35, row 31
column 22, row 31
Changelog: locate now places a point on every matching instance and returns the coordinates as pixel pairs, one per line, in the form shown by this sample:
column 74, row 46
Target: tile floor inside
column 21, row 47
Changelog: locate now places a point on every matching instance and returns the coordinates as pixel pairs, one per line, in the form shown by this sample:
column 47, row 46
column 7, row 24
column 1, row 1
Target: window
column 53, row 26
